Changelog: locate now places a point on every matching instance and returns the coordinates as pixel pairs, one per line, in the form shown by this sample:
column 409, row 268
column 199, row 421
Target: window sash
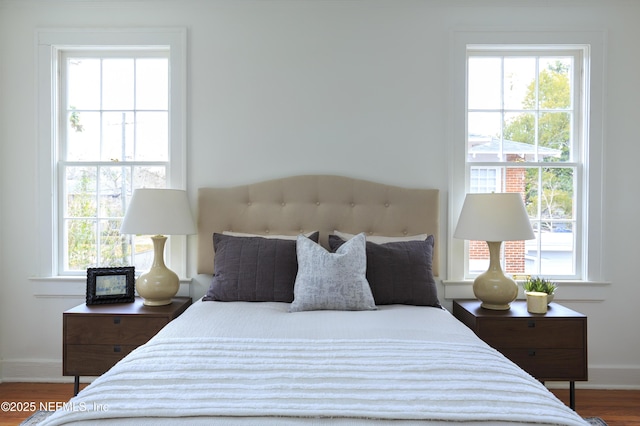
column 573, row 163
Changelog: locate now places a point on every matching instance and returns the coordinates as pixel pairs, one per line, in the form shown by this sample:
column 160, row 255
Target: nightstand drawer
column 532, row 332
column 111, row 330
column 550, row 364
column 93, row 360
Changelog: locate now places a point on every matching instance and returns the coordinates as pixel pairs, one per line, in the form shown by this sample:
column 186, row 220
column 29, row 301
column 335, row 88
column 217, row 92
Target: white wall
column 283, row 87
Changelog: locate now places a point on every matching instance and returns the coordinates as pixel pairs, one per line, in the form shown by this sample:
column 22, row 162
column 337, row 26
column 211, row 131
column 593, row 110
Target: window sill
column 76, row 286
column 576, row 291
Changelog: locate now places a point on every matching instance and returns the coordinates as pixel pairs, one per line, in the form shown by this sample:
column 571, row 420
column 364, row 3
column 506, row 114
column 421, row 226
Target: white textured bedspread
column 226, row 362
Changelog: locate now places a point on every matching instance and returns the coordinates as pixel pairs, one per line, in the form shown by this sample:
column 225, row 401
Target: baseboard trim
column 38, row 370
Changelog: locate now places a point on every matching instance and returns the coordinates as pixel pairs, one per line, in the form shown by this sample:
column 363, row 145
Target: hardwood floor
column 616, row 407
column 39, row 396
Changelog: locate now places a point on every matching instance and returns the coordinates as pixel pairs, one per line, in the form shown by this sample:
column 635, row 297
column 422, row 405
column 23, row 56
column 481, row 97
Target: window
column 524, row 124
column 484, row 180
column 527, row 117
column 114, row 137
column 111, row 119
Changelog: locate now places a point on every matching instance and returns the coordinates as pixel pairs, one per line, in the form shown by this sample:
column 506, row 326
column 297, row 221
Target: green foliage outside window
column 554, row 131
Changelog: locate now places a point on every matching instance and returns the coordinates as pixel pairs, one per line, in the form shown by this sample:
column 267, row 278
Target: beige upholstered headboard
column 301, row 204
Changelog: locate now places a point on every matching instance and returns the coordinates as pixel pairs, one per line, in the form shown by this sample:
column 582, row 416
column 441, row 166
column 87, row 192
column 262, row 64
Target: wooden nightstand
column 551, row 346
column 95, row 337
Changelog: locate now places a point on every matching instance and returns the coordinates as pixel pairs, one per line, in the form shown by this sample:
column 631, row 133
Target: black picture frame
column 110, row 285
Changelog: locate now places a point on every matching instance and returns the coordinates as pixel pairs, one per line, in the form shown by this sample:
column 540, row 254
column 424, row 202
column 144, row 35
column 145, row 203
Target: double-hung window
column 111, row 119
column 525, row 118
column 524, row 123
column 114, row 137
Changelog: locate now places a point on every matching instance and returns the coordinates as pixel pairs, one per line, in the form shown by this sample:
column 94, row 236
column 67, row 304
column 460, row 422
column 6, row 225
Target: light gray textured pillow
column 332, row 281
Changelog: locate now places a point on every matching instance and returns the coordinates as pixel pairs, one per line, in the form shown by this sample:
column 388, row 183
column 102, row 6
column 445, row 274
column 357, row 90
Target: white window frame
column 578, row 132
column 49, row 44
column 593, row 45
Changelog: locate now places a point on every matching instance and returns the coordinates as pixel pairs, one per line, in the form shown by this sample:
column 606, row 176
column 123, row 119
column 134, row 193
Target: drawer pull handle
column 532, row 352
column 117, row 349
column 531, row 324
column 116, row 320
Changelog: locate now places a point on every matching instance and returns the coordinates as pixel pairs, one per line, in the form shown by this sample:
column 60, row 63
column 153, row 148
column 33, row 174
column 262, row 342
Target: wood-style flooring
column 616, row 407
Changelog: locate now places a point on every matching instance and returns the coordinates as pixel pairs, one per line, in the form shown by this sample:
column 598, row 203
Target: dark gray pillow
column 400, row 272
column 253, row 269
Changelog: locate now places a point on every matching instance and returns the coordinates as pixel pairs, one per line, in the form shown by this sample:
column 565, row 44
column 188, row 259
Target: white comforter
column 232, row 363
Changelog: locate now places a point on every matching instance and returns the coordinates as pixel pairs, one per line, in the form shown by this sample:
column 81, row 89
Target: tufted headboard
column 301, row 204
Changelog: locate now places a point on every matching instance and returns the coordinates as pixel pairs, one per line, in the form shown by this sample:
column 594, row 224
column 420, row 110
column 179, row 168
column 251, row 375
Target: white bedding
column 255, row 363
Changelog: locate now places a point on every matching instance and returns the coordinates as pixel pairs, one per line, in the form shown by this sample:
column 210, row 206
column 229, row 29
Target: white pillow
column 279, row 237
column 378, row 239
column 332, row 281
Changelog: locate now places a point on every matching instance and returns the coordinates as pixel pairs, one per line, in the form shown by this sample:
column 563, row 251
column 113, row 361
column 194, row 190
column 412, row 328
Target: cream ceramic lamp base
column 493, row 288
column 158, row 286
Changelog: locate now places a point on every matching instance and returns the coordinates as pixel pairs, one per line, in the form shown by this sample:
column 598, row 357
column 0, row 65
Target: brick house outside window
column 503, row 179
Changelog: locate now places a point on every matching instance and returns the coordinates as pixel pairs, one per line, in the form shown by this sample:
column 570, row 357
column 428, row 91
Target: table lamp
column 494, row 218
column 158, row 212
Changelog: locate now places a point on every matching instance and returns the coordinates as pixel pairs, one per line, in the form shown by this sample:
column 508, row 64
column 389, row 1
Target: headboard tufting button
column 353, row 204
column 386, row 204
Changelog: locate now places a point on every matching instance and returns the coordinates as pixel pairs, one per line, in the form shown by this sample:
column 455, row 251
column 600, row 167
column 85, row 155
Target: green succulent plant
column 539, row 284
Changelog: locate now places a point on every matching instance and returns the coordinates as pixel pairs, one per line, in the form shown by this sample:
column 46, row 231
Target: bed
column 322, row 309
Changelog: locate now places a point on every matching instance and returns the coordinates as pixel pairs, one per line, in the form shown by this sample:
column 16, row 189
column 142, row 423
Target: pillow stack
column 357, row 274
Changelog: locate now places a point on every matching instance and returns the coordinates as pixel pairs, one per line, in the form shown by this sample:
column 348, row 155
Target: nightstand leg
column 76, row 385
column 572, row 395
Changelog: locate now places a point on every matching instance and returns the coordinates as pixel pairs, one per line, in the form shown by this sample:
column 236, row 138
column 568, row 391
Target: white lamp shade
column 154, row 211
column 494, row 217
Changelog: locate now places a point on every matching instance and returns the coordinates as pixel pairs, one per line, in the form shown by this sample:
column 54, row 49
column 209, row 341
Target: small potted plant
column 541, row 285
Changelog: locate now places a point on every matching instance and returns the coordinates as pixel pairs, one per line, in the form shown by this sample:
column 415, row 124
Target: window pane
column 519, row 83
column 484, row 83
column 117, row 136
column 114, row 247
column 152, row 133
column 555, row 83
column 149, row 177
column 83, row 136
column 487, row 124
column 557, row 250
column 83, row 84
column 484, row 136
column 81, row 185
column 152, row 76
column 557, row 195
column 520, row 136
column 114, row 183
column 554, row 133
column 117, row 84
column 80, row 242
